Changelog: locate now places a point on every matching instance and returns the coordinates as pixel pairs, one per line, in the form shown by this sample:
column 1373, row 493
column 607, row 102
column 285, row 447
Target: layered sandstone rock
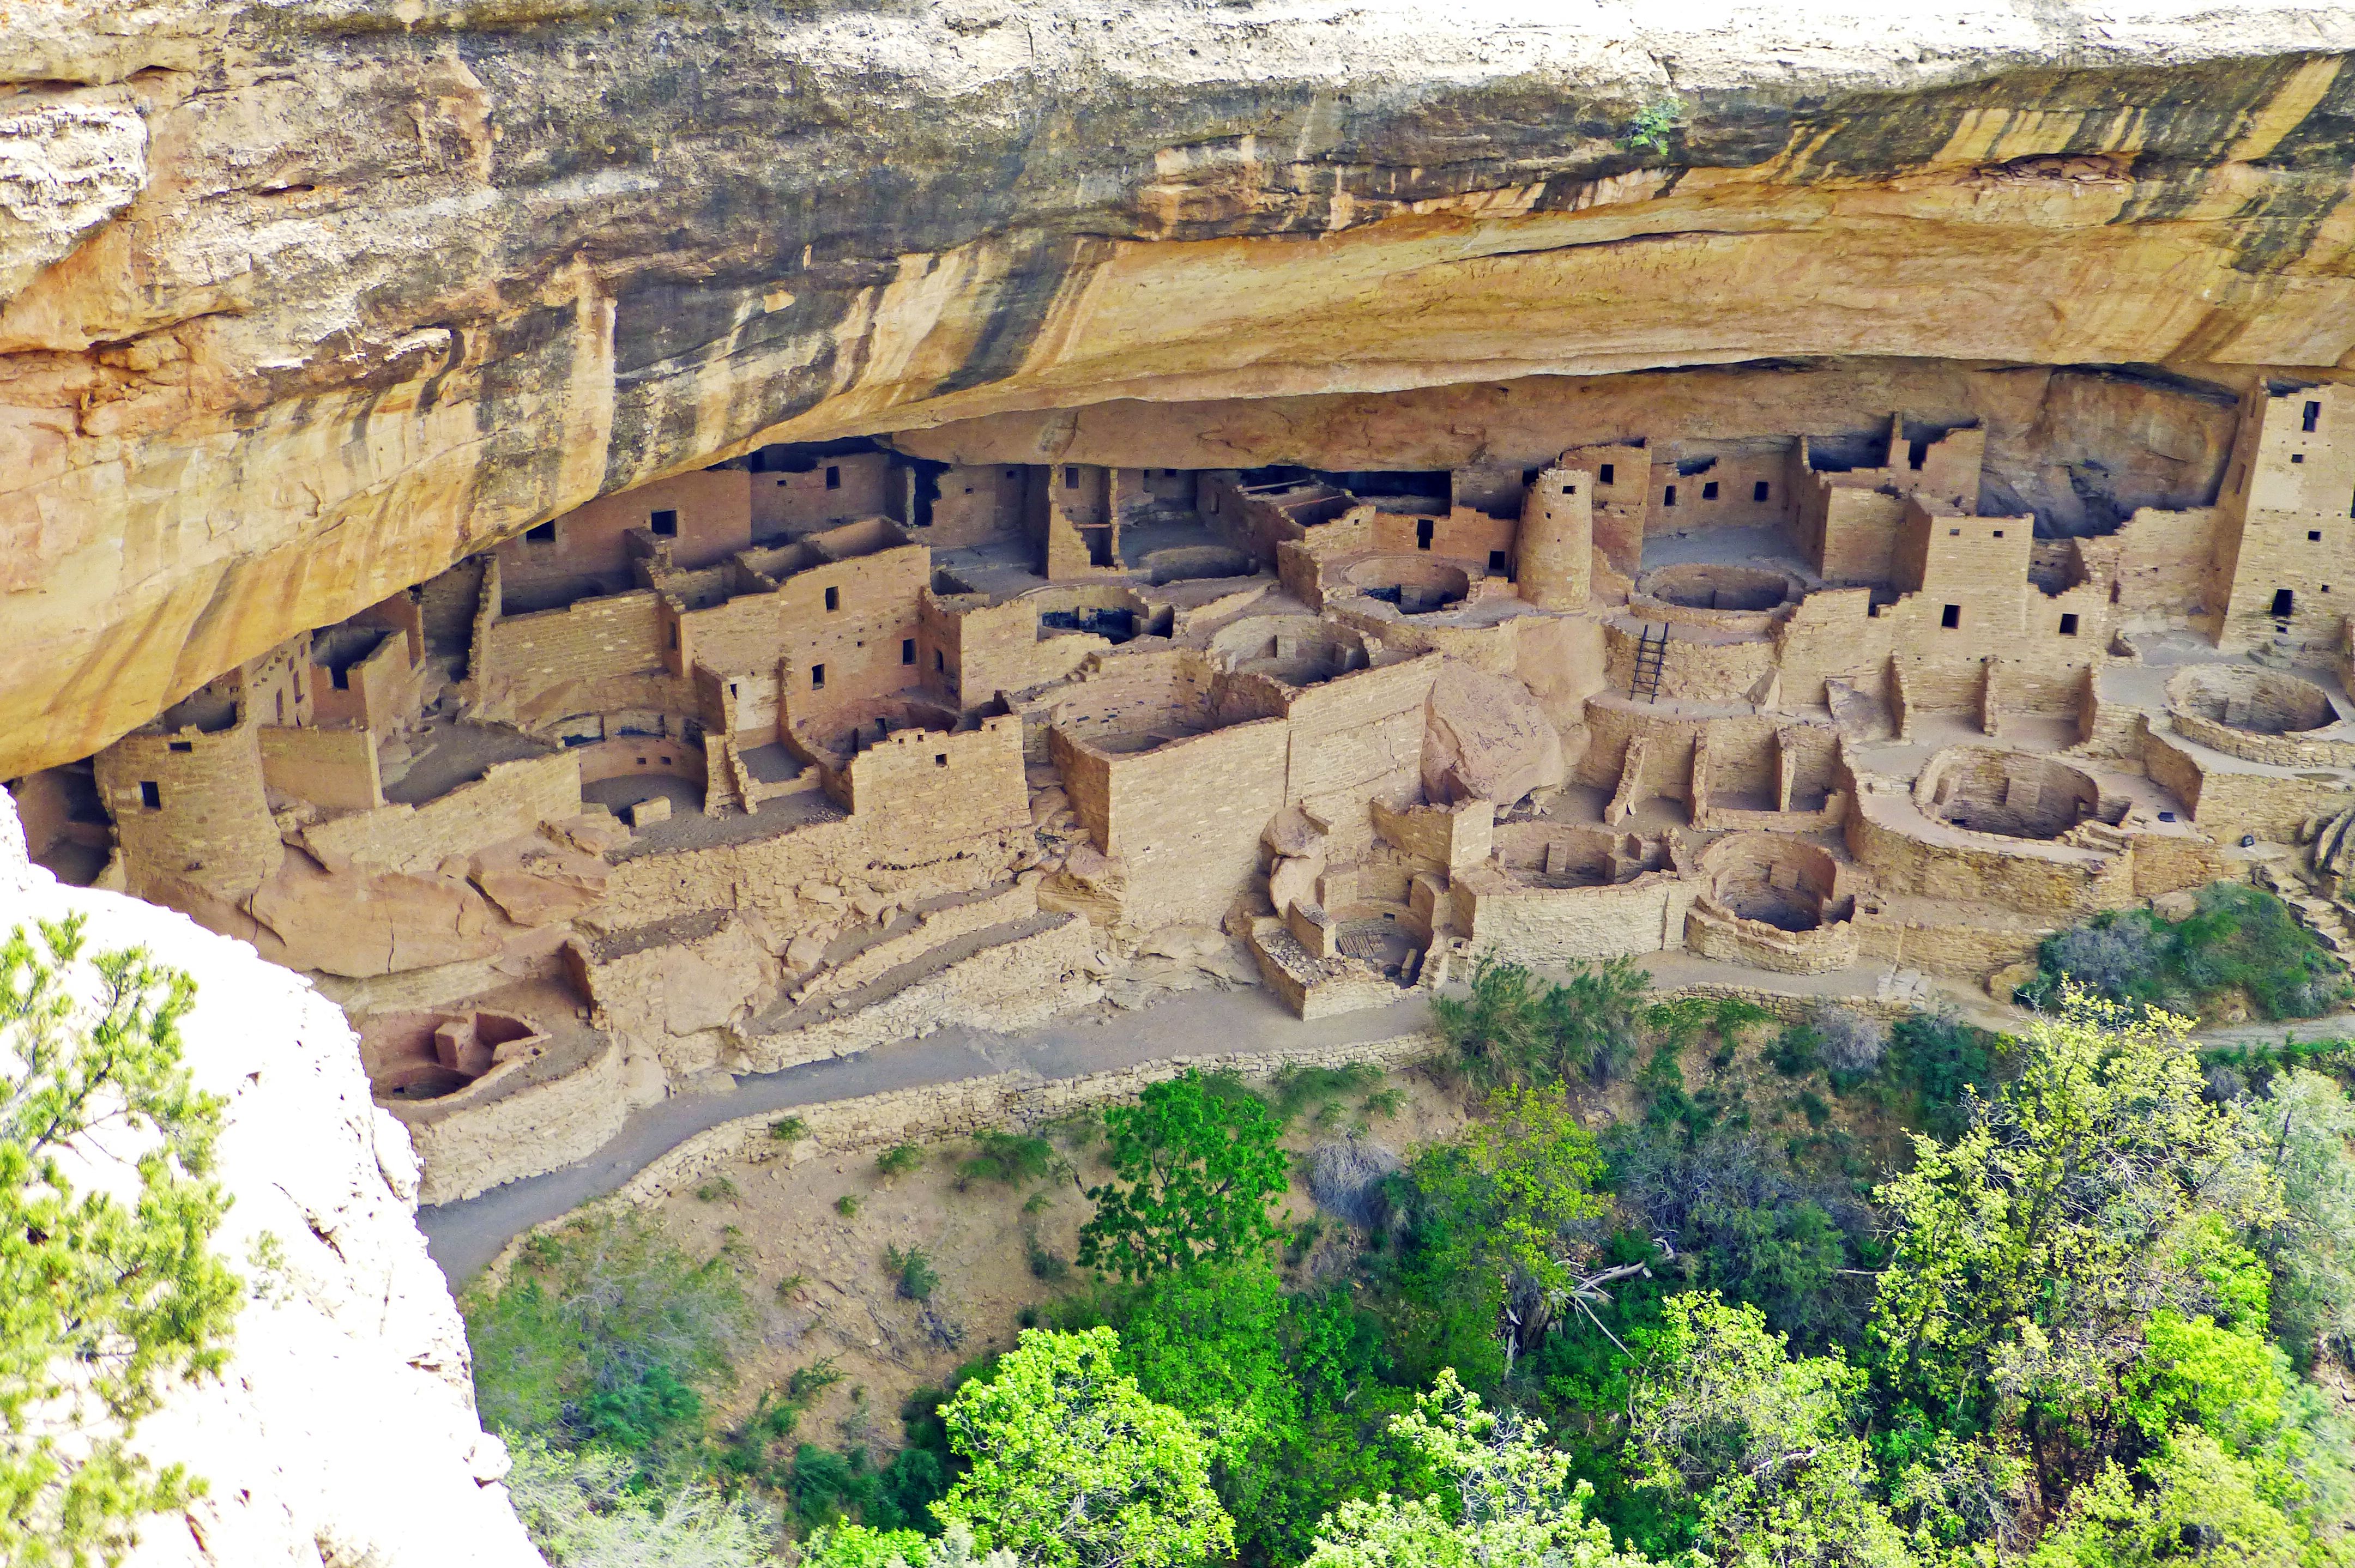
column 305, row 300
column 343, row 1429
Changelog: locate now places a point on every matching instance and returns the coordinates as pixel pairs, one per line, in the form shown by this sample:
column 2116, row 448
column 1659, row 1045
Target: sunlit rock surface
column 308, row 300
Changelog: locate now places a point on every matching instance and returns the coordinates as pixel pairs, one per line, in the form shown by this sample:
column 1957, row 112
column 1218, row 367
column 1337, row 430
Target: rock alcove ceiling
column 305, row 301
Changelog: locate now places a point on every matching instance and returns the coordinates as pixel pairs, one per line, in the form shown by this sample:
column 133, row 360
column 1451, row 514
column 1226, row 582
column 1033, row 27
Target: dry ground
column 842, row 1303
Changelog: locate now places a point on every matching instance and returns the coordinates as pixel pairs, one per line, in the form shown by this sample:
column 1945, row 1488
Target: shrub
column 913, row 1273
column 789, row 1129
column 899, row 1159
column 1346, row 1179
column 589, row 1509
column 1515, row 1028
column 1850, row 1042
column 715, row 1190
column 1297, row 1088
column 847, row 1205
column 1045, row 1263
column 1195, row 1170
column 2237, row 939
column 606, row 1333
column 1650, row 130
column 1011, row 1158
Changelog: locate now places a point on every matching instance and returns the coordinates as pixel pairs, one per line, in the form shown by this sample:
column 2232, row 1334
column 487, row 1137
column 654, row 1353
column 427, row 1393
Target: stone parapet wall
column 337, row 769
column 1556, row 925
column 510, row 800
column 1716, row 933
column 2040, row 880
column 524, row 1132
column 1013, row 985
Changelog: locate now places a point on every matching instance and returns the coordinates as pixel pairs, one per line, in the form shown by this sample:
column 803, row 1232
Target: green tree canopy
column 1074, row 1468
column 1763, row 1441
column 1195, row 1171
column 109, row 1293
column 1514, row 1502
column 2030, row 1251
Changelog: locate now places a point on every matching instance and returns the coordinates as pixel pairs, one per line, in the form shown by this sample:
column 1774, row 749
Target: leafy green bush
column 715, row 1190
column 606, row 1333
column 1516, row 1027
column 913, row 1273
column 1297, row 1090
column 1011, row 1158
column 899, row 1159
column 1046, row 1263
column 847, row 1205
column 1194, row 1172
column 789, row 1129
column 2238, row 940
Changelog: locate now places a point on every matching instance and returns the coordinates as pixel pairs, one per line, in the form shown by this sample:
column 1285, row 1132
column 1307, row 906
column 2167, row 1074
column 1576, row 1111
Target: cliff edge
column 341, row 1431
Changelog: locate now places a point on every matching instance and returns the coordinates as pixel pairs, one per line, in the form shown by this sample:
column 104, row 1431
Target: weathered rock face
column 305, row 300
column 342, row 1429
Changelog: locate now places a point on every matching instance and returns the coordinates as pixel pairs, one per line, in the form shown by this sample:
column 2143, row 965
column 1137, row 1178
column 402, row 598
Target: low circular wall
column 1299, row 650
column 2259, row 716
column 2244, row 698
column 843, row 732
column 1192, row 562
column 1731, row 599
column 1771, row 880
column 2009, row 794
column 1420, row 584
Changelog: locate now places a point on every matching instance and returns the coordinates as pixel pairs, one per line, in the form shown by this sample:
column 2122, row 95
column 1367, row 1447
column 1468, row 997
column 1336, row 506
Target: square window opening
column 665, row 523
column 1950, row 617
column 181, row 745
column 817, row 677
column 1070, row 476
column 2313, row 535
column 1998, row 532
column 1708, row 491
column 1497, row 562
column 940, row 760
column 1760, row 490
column 2297, row 457
column 2068, row 626
column 543, row 534
column 1954, row 532
column 1607, row 474
column 151, row 795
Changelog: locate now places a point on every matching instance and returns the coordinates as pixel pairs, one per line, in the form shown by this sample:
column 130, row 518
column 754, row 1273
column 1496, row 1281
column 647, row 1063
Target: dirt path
column 463, row 1237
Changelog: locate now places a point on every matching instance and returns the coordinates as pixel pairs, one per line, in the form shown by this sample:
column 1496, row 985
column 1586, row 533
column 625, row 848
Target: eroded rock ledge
column 309, row 301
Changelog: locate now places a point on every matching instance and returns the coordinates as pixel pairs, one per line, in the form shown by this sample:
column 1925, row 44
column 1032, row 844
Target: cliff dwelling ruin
column 829, row 745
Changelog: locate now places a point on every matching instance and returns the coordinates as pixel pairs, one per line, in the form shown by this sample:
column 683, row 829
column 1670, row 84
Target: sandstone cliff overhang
column 310, row 300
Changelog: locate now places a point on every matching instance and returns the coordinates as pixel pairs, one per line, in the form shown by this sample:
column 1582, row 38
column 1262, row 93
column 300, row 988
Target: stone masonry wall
column 511, row 800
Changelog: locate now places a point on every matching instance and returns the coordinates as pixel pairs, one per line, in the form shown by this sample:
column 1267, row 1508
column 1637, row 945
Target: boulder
column 1486, row 739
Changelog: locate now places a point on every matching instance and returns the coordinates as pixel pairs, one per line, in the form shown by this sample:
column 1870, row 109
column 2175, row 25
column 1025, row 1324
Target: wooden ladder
column 1651, row 653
